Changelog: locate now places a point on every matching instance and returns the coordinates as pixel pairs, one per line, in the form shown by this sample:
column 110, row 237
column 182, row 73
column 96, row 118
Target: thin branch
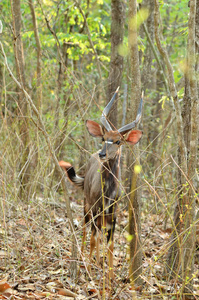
column 157, row 58
column 173, row 90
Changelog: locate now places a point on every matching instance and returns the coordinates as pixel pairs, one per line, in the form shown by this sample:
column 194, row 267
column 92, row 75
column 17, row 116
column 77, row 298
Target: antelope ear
column 133, row 137
column 94, row 128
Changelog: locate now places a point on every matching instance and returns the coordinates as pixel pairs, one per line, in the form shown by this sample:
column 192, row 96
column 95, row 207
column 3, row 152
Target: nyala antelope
column 101, row 183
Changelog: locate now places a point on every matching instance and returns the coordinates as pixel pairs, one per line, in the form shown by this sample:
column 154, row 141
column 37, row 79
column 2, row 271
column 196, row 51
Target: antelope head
column 113, row 139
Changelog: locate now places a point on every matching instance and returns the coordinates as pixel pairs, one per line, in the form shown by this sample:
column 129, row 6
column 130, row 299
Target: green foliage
column 174, row 16
column 68, row 23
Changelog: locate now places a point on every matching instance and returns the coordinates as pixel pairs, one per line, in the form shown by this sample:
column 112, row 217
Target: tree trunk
column 190, row 237
column 134, row 205
column 39, row 52
column 23, row 109
column 116, row 65
column 35, row 161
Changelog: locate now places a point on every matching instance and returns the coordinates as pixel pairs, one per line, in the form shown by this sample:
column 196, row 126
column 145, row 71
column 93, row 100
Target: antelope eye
column 118, row 142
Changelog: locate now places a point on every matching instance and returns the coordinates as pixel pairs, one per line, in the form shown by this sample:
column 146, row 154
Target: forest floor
column 35, row 256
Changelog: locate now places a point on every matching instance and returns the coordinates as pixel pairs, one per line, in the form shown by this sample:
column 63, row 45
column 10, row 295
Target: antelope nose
column 102, row 155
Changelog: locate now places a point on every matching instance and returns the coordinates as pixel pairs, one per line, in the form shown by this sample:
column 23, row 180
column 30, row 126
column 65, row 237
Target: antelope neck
column 111, row 167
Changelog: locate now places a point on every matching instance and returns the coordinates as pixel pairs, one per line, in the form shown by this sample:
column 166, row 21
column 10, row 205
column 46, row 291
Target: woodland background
column 60, row 63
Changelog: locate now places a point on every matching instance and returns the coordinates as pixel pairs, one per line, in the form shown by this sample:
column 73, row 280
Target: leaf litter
column 35, row 257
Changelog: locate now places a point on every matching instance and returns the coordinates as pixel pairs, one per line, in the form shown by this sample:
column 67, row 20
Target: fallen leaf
column 3, row 253
column 4, row 286
column 66, row 292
